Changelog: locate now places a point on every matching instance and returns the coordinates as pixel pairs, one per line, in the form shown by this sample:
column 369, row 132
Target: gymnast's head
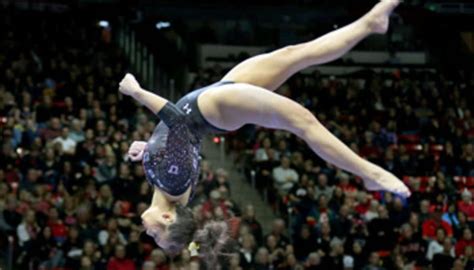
column 174, row 229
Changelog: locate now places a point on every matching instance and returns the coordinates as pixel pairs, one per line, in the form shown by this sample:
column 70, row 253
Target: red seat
column 424, row 181
column 412, row 148
column 436, row 148
column 409, row 138
column 463, row 182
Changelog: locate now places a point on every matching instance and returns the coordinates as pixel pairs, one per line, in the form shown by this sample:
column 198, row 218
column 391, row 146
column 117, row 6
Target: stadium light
column 162, row 25
column 104, row 23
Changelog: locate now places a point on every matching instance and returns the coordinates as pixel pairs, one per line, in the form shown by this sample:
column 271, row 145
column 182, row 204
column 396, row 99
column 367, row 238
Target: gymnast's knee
column 303, row 121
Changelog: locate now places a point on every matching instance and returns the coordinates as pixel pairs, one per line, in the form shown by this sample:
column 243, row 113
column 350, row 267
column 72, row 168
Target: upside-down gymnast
column 243, row 96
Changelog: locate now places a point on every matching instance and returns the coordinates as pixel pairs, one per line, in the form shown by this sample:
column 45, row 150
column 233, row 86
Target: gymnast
column 243, row 96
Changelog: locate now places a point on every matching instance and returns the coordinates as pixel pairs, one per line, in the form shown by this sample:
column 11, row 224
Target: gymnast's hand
column 136, row 150
column 129, row 85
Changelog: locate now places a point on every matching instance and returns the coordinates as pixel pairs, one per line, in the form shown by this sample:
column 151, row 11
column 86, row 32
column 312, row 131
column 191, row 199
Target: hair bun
column 215, row 244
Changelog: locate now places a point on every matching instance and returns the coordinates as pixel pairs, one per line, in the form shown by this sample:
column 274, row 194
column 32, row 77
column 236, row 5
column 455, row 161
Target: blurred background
column 71, row 199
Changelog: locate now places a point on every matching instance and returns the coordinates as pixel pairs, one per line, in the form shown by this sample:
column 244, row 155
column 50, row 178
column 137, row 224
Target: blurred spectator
column 285, row 177
column 431, row 225
column 120, row 261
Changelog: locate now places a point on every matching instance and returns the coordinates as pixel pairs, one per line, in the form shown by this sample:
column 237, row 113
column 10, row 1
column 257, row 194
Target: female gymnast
column 244, row 96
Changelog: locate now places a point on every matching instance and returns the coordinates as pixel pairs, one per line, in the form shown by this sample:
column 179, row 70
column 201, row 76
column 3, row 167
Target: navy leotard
column 171, row 156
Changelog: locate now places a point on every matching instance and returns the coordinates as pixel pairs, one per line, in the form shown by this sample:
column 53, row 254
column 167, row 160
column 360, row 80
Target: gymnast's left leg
column 270, row 70
column 231, row 106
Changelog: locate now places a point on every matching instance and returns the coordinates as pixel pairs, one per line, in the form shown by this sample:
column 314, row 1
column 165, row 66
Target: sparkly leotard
column 171, row 157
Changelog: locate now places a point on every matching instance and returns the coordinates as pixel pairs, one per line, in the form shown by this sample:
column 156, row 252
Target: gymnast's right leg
column 231, row 106
column 270, row 70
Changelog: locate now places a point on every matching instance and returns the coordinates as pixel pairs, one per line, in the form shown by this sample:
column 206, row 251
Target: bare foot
column 379, row 17
column 383, row 180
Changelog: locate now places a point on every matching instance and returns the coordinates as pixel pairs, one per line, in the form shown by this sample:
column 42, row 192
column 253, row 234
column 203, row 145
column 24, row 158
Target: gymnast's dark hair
column 215, row 244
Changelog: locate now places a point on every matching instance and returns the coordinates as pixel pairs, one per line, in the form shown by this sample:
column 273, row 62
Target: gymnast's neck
column 166, row 201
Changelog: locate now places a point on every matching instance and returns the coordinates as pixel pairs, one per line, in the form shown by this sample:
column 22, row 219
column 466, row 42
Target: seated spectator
column 323, row 188
column 466, row 205
column 412, row 246
column 323, row 240
column 77, row 133
column 284, row 176
column 249, row 219
column 381, row 227
column 334, row 259
column 464, row 242
column 120, row 261
column 344, row 183
column 262, row 259
column 112, row 230
column 28, row 230
column 247, row 252
column 437, row 246
column 215, row 201
column 359, row 254
column 68, row 145
column 58, row 229
column 304, row 243
column 450, row 216
column 372, row 212
column 53, row 130
column 313, row 262
column 279, row 232
column 261, row 154
column 375, row 263
column 159, row 260
column 430, row 226
column 445, row 258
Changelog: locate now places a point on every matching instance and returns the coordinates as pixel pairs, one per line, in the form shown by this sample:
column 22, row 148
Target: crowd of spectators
column 417, row 125
column 69, row 196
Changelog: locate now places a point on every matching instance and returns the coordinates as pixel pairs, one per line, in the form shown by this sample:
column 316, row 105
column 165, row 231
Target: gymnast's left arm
column 167, row 111
column 130, row 87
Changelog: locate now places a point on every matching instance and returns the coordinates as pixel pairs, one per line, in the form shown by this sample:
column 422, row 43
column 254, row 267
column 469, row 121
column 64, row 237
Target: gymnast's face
column 156, row 223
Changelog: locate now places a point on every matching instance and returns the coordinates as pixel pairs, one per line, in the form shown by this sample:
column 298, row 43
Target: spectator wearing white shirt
column 112, row 230
column 262, row 153
column 284, row 176
column 437, row 246
column 28, row 229
column 77, row 133
column 323, row 188
column 68, row 145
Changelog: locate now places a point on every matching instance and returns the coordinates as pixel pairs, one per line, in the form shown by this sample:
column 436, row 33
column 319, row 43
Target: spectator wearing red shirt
column 430, row 225
column 465, row 241
column 58, row 229
column 466, row 205
column 120, row 261
column 214, row 201
column 344, row 183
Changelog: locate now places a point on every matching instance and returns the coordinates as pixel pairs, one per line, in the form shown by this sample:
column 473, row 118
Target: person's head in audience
column 249, row 212
column 149, row 265
column 447, row 245
column 440, row 235
column 314, row 259
column 374, row 259
column 262, row 257
column 466, row 196
column 158, row 257
column 278, row 227
column 285, row 162
column 406, row 231
column 86, row 263
column 322, row 180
